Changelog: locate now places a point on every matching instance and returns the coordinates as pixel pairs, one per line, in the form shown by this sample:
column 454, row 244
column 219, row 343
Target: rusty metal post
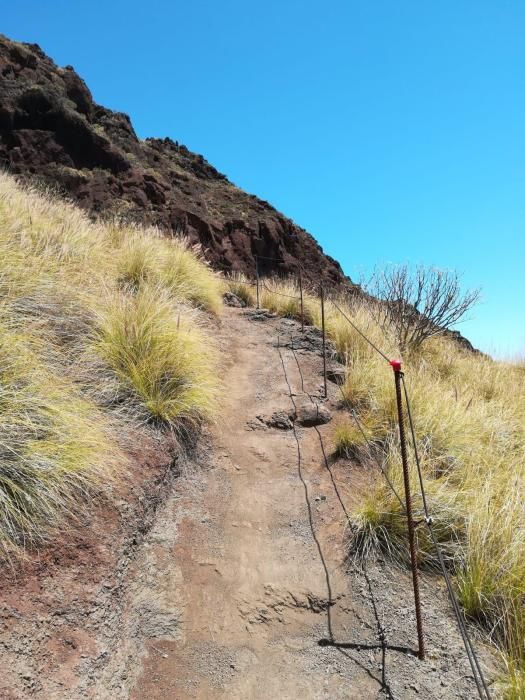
column 301, row 293
column 396, row 366
column 257, row 277
column 324, row 340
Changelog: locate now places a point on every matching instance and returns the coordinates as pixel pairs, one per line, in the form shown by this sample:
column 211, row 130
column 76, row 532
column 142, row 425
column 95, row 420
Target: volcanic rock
column 309, row 415
column 52, row 132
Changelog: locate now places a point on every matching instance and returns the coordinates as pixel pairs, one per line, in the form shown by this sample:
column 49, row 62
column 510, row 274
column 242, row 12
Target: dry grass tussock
column 103, row 328
column 469, row 414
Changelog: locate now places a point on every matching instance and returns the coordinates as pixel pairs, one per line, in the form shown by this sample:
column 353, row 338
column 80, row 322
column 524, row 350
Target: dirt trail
column 243, row 576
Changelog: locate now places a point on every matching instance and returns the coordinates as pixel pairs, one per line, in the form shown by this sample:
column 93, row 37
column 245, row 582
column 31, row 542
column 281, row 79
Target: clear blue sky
column 391, row 130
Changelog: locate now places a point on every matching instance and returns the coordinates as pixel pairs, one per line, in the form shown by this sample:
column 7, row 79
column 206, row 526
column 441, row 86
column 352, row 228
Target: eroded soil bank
column 242, row 574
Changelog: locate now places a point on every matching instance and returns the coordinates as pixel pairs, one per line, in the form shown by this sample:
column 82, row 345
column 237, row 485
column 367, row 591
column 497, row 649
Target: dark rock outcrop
column 51, row 130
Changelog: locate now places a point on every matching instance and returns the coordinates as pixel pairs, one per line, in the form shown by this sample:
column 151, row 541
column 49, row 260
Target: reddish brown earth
column 52, row 131
column 224, row 582
column 58, row 608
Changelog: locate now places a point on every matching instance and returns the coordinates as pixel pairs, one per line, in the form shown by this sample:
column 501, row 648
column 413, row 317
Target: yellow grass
column 160, row 353
column 238, row 284
column 469, row 416
column 102, row 327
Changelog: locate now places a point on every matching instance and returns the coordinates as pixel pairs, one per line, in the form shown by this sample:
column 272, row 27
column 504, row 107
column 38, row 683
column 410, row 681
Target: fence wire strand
column 477, row 672
column 280, row 294
column 475, row 665
column 373, row 345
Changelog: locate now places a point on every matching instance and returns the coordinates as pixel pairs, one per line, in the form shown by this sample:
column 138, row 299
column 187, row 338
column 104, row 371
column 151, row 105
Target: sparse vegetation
column 102, row 328
column 470, row 422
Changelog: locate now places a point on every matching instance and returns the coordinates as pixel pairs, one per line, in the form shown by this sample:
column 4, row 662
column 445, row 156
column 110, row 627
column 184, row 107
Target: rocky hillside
column 53, row 131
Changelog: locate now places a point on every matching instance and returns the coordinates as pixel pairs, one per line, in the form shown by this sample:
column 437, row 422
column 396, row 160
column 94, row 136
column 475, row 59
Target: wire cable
column 361, row 332
column 280, row 294
column 308, row 504
column 469, row 647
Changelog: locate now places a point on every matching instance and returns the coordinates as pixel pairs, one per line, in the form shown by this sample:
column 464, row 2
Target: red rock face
column 51, row 130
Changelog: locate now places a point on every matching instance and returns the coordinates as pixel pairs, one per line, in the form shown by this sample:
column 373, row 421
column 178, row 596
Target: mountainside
column 52, row 130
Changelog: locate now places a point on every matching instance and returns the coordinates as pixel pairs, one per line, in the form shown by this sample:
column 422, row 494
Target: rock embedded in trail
column 280, row 420
column 336, row 374
column 260, row 314
column 309, row 415
column 311, row 340
column 231, row 299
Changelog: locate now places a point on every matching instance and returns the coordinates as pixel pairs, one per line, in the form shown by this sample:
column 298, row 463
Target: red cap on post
column 396, row 365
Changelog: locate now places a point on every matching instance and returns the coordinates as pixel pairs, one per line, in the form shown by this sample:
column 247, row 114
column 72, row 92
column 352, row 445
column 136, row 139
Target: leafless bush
column 416, row 304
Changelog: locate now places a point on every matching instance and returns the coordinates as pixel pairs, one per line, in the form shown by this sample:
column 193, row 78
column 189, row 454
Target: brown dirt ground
column 241, row 574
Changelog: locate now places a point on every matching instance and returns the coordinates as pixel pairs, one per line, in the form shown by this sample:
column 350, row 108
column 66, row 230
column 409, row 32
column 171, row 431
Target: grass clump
column 282, row 297
column 147, row 256
column 347, row 438
column 238, row 284
column 102, row 329
column 353, row 440
column 56, row 447
column 160, row 354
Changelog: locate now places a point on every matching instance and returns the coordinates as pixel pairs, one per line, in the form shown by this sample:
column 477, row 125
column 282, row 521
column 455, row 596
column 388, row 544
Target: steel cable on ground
column 361, row 332
column 469, row 647
column 321, row 443
column 475, row 665
column 307, row 498
column 340, row 646
column 383, row 644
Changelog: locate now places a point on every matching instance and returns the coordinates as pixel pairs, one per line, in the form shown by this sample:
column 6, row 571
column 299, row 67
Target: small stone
column 309, row 415
column 279, row 419
column 231, row 299
column 337, row 375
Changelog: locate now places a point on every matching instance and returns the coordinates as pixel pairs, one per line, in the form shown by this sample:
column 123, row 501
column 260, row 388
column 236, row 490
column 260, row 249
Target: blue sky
column 392, row 131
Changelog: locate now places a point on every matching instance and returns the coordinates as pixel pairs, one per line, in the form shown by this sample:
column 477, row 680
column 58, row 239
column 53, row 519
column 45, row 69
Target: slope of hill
column 52, row 130
column 119, row 580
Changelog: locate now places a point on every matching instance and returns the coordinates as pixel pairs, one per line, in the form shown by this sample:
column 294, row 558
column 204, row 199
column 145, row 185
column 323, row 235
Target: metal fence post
column 301, row 293
column 324, row 340
column 257, row 277
column 396, row 366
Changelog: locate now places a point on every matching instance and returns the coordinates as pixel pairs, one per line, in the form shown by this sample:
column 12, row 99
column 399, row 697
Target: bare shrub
column 416, row 304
